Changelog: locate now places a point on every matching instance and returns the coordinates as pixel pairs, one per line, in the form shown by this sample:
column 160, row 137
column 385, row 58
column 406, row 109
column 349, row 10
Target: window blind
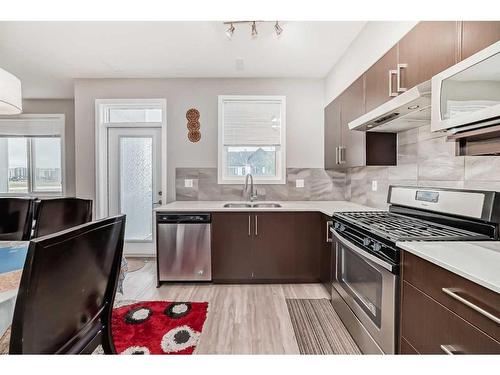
column 30, row 127
column 252, row 123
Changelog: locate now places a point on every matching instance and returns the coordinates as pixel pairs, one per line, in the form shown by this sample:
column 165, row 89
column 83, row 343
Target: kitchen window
column 252, row 139
column 31, row 161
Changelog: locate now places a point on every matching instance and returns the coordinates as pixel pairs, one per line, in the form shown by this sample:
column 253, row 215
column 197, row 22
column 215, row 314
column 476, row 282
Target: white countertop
column 325, row 207
column 477, row 261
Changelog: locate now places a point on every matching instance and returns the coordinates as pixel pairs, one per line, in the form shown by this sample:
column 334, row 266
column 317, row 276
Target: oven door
column 368, row 287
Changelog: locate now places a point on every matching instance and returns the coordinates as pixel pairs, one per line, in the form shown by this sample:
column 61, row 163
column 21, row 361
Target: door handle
column 256, row 225
column 452, row 293
column 392, row 73
column 398, row 77
column 448, row 349
column 342, row 155
column 249, row 224
column 328, row 226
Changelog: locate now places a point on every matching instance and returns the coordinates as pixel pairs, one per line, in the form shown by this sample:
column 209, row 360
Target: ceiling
column 47, row 56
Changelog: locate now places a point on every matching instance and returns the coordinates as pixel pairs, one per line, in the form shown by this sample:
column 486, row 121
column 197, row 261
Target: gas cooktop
column 397, row 227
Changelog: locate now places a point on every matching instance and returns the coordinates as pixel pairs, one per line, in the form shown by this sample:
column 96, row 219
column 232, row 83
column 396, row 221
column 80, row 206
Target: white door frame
column 101, row 144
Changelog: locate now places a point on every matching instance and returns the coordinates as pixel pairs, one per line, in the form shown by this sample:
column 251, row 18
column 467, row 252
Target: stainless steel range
column 367, row 258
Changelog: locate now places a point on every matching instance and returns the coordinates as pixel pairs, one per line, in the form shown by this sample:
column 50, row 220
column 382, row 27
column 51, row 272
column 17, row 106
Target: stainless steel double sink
column 253, row 205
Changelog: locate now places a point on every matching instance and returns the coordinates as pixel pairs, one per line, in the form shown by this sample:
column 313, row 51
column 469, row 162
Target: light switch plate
column 299, row 183
column 374, row 185
column 188, row 183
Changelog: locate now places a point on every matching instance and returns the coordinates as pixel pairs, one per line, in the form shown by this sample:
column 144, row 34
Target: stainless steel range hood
column 409, row 110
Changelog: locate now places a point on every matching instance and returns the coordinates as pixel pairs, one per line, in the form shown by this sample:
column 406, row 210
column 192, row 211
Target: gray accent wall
column 318, row 185
column 424, row 159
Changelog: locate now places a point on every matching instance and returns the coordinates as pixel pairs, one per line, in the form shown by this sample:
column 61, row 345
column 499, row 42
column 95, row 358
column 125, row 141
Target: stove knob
column 366, row 241
column 377, row 246
column 336, row 225
column 342, row 228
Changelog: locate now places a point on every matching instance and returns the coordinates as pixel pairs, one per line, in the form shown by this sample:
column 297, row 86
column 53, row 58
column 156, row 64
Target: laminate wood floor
column 242, row 319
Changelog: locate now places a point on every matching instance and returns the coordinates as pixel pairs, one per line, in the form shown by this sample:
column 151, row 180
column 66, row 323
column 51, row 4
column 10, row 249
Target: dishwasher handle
column 184, row 218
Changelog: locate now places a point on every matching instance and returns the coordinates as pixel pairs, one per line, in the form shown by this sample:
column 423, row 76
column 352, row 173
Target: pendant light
column 10, row 94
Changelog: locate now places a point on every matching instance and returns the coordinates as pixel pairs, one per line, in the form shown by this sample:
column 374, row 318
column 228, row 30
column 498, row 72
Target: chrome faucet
column 251, row 195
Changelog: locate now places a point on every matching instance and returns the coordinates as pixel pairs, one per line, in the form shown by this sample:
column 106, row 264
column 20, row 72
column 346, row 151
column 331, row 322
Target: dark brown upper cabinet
column 345, row 148
column 429, row 48
column 353, row 143
column 380, row 80
column 333, row 134
column 477, row 35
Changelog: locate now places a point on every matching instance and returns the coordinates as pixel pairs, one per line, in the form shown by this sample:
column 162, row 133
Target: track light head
column 278, row 29
column 230, row 31
column 254, row 30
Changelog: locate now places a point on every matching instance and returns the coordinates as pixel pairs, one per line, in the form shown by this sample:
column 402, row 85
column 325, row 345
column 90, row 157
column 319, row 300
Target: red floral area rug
column 158, row 327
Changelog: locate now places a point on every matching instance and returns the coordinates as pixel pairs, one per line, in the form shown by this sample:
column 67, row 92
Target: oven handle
column 362, row 253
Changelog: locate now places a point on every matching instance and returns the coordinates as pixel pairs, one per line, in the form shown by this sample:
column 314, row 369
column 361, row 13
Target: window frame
column 59, row 120
column 222, row 178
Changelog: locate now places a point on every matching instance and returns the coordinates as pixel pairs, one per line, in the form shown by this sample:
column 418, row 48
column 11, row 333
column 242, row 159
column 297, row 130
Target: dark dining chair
column 16, row 215
column 54, row 215
column 67, row 290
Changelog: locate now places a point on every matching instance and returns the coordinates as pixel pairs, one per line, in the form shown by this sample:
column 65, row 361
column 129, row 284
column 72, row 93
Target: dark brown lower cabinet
column 266, row 247
column 432, row 322
column 273, row 247
column 231, row 246
column 433, row 329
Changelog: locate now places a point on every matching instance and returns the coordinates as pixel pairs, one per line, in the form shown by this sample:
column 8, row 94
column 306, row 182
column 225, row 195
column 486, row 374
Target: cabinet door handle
column 342, row 155
column 392, row 73
column 448, row 349
column 337, row 155
column 329, row 223
column 256, row 225
column 398, row 78
column 480, row 310
column 249, row 224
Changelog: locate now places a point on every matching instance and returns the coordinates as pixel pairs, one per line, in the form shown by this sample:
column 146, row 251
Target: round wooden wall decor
column 194, row 136
column 193, row 125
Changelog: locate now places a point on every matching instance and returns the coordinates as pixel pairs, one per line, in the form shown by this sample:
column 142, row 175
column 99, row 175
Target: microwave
column 466, row 96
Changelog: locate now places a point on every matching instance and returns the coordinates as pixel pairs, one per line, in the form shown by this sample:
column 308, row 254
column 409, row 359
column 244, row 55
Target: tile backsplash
column 318, row 185
column 424, row 159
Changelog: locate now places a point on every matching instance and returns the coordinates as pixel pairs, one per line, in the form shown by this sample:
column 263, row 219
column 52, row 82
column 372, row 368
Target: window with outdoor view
column 31, row 156
column 252, row 139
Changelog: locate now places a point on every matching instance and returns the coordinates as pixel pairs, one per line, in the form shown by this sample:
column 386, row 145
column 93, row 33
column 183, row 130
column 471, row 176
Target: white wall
column 374, row 40
column 305, row 99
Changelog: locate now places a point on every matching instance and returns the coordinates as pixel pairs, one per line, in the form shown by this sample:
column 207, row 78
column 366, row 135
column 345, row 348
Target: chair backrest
column 55, row 215
column 16, row 215
column 67, row 290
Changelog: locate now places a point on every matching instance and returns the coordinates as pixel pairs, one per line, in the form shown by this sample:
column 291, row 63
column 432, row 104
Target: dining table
column 12, row 258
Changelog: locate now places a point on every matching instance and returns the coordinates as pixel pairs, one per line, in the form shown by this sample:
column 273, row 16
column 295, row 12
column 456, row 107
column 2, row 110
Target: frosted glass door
column 136, row 186
column 134, row 183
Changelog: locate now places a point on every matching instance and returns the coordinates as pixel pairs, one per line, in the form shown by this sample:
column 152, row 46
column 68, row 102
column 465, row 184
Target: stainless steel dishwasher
column 183, row 250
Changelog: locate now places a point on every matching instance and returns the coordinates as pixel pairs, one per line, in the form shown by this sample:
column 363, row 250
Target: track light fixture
column 278, row 29
column 253, row 24
column 230, row 31
column 254, row 30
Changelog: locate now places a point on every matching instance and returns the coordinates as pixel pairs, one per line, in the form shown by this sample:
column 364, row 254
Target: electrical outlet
column 299, row 183
column 188, row 183
column 374, row 185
